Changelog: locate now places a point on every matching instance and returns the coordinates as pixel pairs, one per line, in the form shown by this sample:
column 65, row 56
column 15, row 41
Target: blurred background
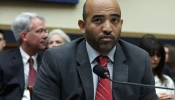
column 140, row 17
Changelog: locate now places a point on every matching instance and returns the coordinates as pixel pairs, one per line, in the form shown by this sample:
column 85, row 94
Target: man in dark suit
column 16, row 70
column 66, row 71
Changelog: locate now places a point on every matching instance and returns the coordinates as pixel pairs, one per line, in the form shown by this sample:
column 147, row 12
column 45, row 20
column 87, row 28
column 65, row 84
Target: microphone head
column 101, row 71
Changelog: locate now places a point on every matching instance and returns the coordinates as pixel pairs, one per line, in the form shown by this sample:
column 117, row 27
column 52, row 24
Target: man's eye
column 97, row 21
column 115, row 20
column 39, row 31
column 42, row 30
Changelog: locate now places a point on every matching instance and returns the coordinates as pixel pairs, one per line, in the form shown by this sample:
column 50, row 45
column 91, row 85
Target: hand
column 164, row 96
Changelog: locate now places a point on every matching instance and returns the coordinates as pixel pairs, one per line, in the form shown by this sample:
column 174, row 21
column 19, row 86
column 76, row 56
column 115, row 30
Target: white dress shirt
column 92, row 57
column 25, row 58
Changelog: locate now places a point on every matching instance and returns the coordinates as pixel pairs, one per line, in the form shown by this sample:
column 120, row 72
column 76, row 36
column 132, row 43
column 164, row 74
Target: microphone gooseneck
column 103, row 73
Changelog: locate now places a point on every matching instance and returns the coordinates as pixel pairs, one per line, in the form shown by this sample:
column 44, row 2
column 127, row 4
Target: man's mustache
column 106, row 36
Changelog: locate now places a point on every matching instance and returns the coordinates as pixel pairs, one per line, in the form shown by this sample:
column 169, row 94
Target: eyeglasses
column 42, row 30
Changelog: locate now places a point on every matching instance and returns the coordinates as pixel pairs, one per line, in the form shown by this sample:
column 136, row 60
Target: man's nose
column 45, row 36
column 107, row 29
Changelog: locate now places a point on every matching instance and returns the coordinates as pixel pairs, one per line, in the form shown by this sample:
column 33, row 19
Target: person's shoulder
column 68, row 46
column 167, row 77
column 130, row 48
column 64, row 52
column 65, row 49
column 6, row 52
column 6, row 55
column 169, row 80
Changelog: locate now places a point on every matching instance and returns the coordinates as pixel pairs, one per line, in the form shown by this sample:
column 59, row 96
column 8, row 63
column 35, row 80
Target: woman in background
column 170, row 57
column 157, row 59
column 57, row 37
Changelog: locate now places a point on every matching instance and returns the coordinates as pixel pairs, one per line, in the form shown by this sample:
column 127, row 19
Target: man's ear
column 23, row 36
column 4, row 44
column 81, row 25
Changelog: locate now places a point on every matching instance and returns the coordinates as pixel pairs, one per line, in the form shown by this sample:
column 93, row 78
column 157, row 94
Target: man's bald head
column 89, row 2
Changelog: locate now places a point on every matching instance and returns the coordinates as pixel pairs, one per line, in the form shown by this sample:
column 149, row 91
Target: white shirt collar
column 26, row 57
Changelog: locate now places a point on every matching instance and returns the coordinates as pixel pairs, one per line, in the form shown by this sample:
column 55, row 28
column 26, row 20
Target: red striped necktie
column 103, row 91
column 32, row 73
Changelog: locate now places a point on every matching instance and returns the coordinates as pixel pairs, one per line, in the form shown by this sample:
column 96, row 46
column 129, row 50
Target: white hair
column 22, row 23
column 59, row 32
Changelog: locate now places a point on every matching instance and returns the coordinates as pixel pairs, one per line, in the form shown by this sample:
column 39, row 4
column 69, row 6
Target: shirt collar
column 26, row 57
column 93, row 53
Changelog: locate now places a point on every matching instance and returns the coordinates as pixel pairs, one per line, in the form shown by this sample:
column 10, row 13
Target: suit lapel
column 120, row 72
column 85, row 70
column 18, row 66
column 39, row 59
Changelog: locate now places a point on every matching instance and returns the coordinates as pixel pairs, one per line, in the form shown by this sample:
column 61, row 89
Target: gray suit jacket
column 65, row 73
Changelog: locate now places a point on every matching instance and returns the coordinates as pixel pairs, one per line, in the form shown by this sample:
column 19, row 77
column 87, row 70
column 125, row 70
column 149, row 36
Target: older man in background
column 19, row 66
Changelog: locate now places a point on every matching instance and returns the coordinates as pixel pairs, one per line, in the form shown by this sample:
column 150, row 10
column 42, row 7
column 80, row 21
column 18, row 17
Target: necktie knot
column 102, row 60
column 31, row 61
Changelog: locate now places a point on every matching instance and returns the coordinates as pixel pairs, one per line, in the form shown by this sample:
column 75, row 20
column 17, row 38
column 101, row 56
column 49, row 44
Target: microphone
column 104, row 73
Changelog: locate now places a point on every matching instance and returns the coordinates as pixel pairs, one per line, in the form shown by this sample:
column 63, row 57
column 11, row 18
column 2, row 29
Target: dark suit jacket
column 65, row 73
column 12, row 74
